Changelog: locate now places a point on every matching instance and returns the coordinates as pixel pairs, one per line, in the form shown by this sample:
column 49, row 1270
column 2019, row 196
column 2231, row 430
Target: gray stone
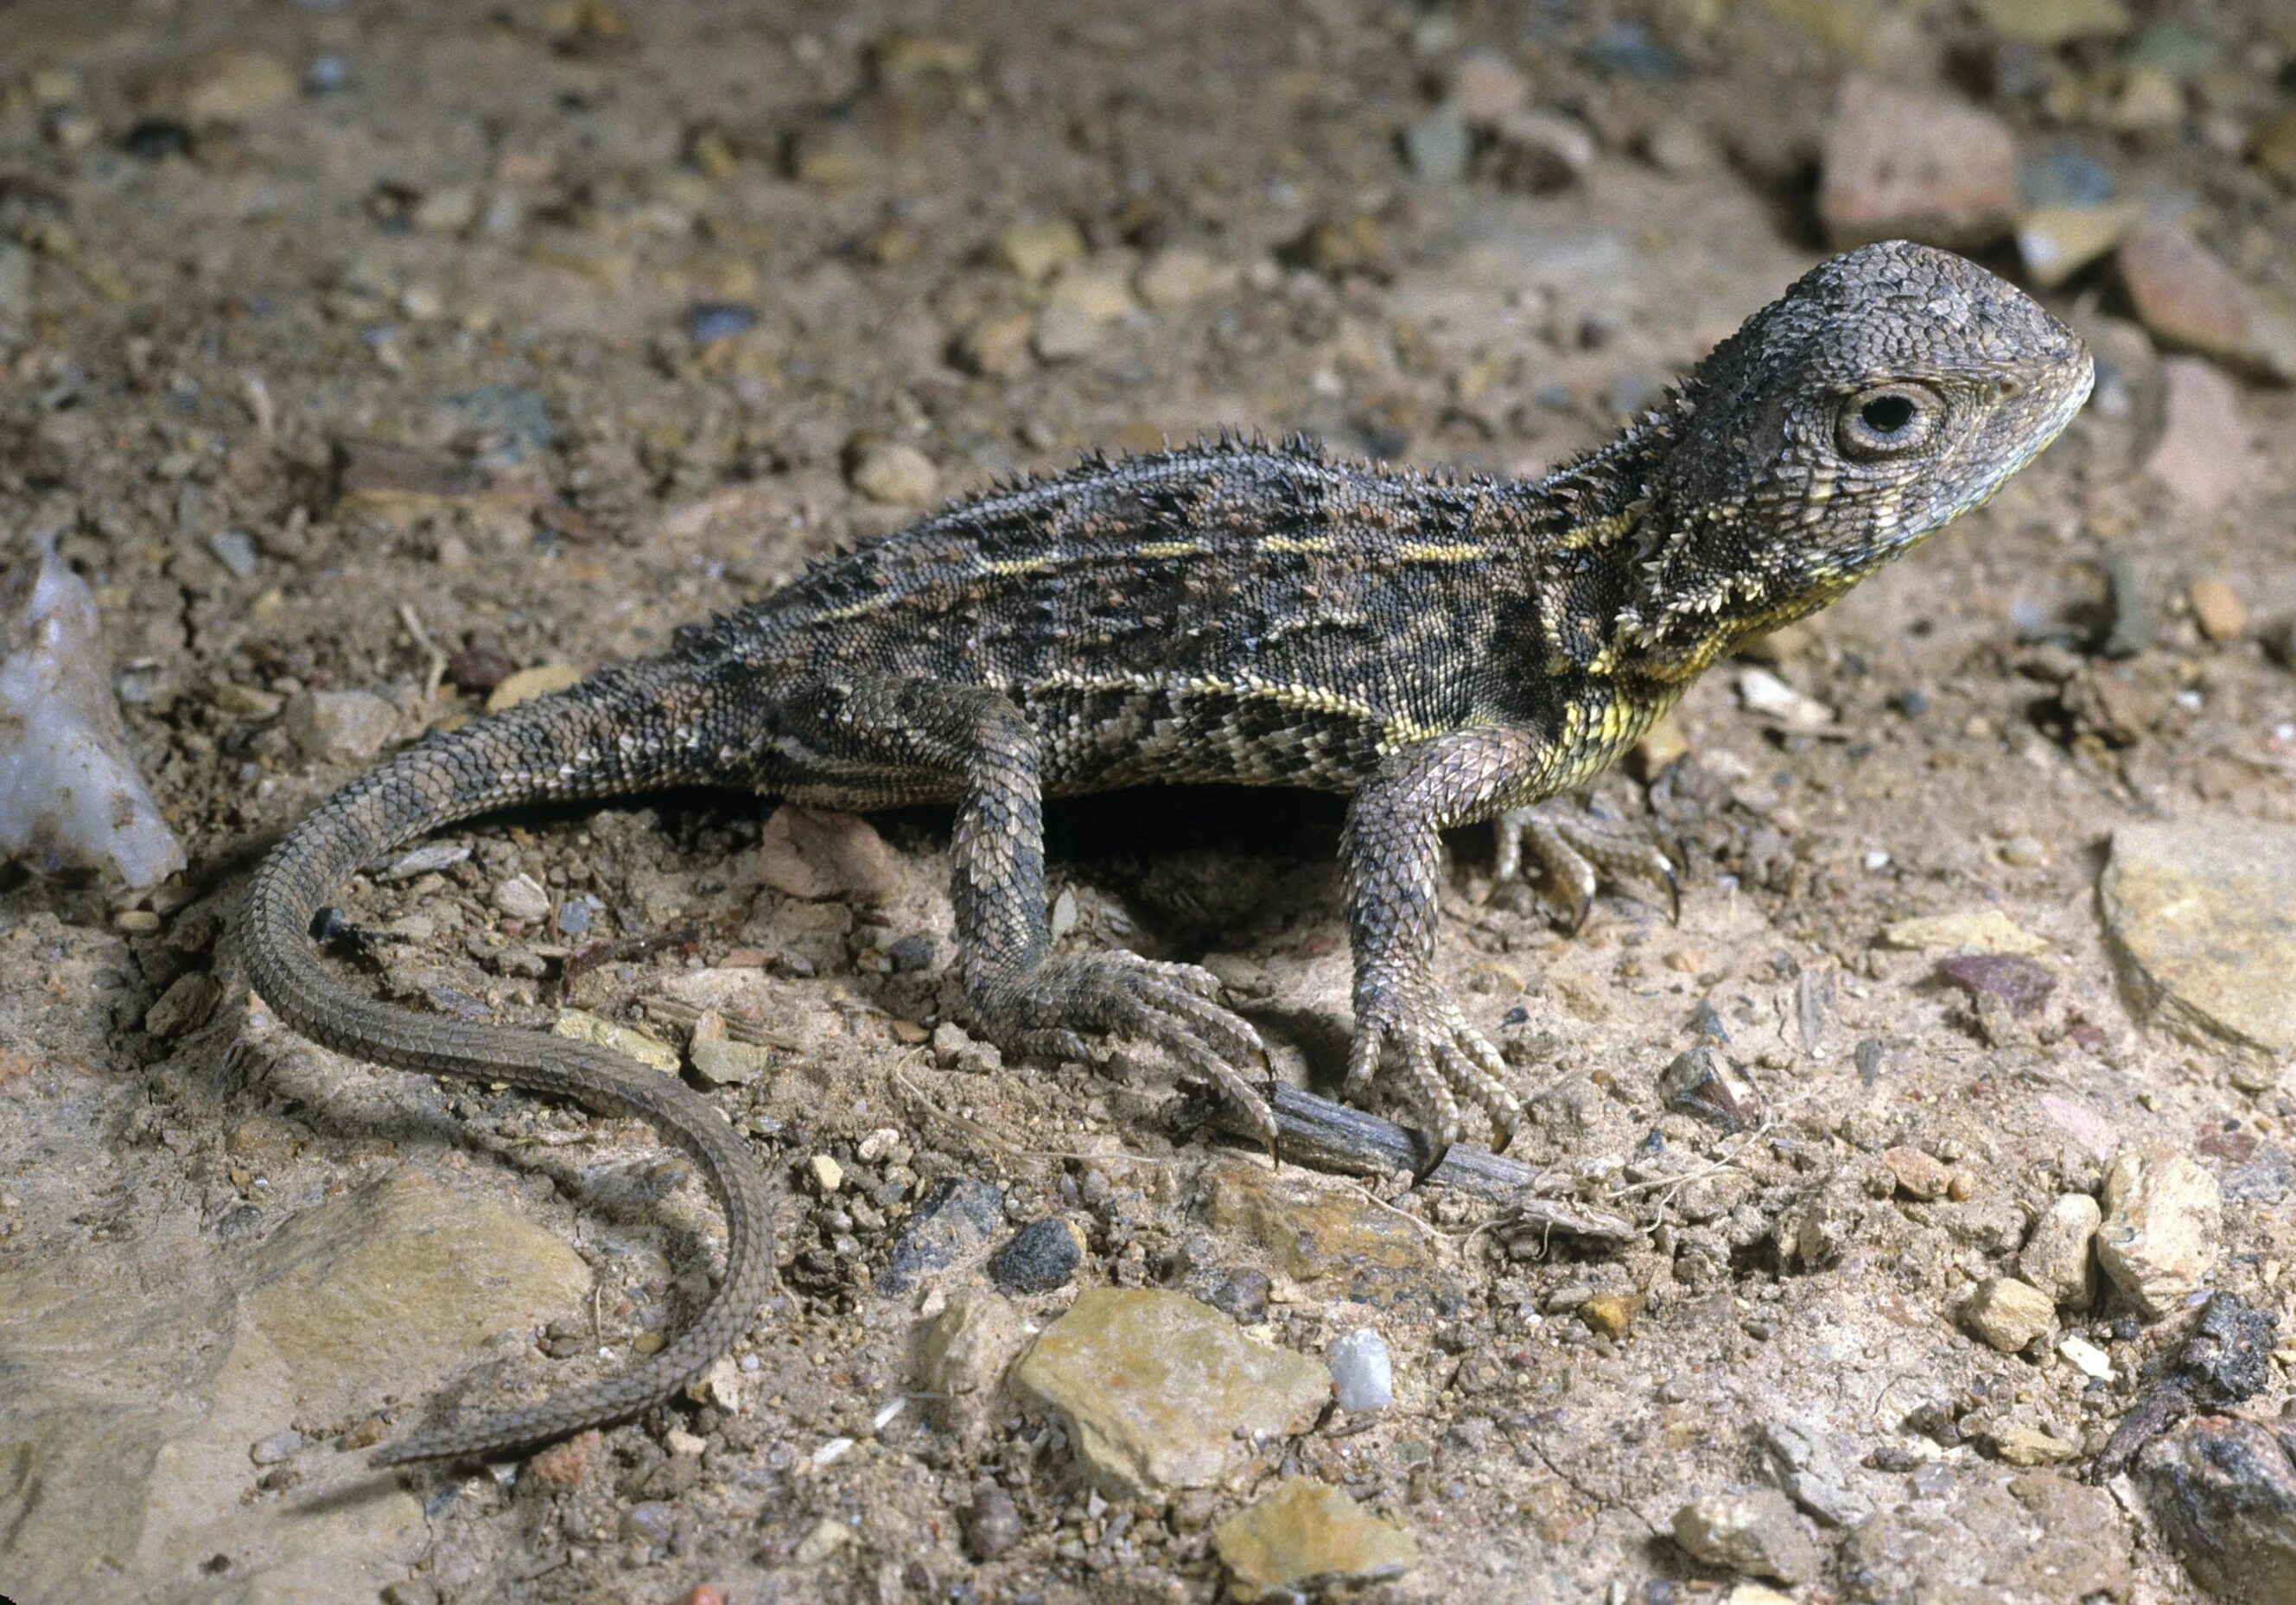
column 2224, row 1490
column 235, row 550
column 1161, row 1392
column 1813, row 1466
column 280, row 1445
column 1436, row 146
column 339, row 726
column 952, row 1221
column 1980, row 1537
column 2203, row 915
column 15, row 286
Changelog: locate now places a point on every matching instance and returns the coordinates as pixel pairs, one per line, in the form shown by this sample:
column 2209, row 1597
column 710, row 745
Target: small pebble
column 1753, row 1530
column 710, row 321
column 2207, row 452
column 1064, row 334
column 1436, row 146
column 479, row 668
column 1896, row 164
column 1363, row 1376
column 349, row 725
column 1041, row 1257
column 523, row 897
column 157, row 138
column 1035, row 249
column 825, row 1173
column 990, row 1524
column 235, row 550
column 2009, row 1314
column 892, row 472
column 2217, row 609
column 2162, row 1229
column 1486, row 87
column 1242, row 1297
column 2086, row 1357
column 2021, row 983
column 278, row 1447
column 1608, row 1315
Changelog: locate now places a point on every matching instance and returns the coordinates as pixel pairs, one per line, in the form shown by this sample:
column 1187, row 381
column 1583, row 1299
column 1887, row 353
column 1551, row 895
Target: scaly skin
column 1445, row 651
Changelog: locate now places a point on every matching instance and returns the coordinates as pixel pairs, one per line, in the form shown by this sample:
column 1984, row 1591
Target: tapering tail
column 615, row 734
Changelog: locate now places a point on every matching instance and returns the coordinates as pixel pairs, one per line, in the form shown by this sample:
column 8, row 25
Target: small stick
column 1317, row 1132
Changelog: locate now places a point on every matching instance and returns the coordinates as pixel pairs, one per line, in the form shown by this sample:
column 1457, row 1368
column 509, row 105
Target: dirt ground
column 397, row 346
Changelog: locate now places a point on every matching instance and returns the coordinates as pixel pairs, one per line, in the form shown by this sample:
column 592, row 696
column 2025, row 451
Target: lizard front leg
column 878, row 740
column 1393, row 851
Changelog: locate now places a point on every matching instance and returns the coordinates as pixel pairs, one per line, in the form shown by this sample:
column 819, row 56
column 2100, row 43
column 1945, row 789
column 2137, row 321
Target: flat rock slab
column 2204, row 913
column 136, row 1382
column 1161, row 1392
column 384, row 1289
column 1307, row 1537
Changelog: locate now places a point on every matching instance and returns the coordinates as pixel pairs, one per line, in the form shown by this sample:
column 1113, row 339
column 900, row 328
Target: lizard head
column 1890, row 390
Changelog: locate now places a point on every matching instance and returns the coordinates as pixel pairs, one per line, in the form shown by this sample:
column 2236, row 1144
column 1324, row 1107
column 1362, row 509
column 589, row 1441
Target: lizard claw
column 1118, row 993
column 1580, row 851
column 1445, row 1056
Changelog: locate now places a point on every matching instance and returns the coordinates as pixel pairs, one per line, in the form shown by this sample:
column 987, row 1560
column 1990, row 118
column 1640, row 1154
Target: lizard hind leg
column 975, row 745
column 1580, row 851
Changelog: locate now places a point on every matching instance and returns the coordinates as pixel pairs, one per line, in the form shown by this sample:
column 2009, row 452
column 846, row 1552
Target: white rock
column 2090, row 1359
column 1765, row 693
column 521, row 897
column 1363, row 1377
column 70, row 793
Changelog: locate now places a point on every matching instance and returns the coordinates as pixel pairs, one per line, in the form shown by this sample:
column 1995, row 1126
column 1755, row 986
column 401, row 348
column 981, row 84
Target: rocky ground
column 1910, row 1221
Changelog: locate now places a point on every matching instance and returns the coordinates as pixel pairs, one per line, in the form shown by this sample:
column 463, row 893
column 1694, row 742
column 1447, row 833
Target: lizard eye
column 1887, row 420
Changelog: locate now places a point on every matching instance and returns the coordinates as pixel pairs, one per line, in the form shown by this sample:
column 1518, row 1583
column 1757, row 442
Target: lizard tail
column 614, row 734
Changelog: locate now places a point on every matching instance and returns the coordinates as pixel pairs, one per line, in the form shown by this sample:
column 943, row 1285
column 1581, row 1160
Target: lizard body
column 1444, row 651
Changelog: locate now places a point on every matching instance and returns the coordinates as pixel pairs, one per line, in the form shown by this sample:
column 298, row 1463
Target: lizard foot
column 1050, row 1011
column 1580, row 851
column 1441, row 1052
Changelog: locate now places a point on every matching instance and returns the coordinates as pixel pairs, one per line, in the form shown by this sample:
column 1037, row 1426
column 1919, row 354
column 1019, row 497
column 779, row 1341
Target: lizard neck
column 1622, row 525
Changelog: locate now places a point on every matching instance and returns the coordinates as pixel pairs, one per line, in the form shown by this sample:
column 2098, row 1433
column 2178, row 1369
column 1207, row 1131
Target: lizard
column 1444, row 650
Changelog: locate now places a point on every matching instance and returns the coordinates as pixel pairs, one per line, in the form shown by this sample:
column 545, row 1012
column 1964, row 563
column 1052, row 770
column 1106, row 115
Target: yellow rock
column 1307, row 1536
column 584, row 1027
column 1160, row 1391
